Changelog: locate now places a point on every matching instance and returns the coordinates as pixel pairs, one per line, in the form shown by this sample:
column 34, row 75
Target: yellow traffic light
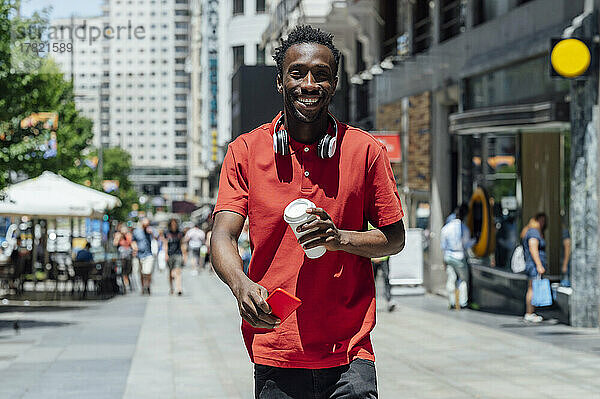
column 570, row 58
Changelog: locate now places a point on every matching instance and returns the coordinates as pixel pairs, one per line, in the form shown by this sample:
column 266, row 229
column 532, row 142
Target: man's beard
column 289, row 100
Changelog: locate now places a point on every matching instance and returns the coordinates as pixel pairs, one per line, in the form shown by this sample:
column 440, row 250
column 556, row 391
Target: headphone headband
column 281, row 120
column 325, row 148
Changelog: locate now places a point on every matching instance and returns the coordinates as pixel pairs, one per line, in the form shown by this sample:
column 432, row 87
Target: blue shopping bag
column 542, row 295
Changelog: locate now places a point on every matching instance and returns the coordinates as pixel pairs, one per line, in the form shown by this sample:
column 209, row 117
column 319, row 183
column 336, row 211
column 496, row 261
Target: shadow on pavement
column 23, row 324
column 43, row 308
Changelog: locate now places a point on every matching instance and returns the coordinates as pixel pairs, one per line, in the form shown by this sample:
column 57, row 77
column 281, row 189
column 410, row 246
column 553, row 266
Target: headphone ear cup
column 323, row 146
column 283, row 143
column 276, row 143
column 332, row 146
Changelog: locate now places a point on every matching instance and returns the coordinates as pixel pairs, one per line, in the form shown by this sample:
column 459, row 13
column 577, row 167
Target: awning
column 546, row 115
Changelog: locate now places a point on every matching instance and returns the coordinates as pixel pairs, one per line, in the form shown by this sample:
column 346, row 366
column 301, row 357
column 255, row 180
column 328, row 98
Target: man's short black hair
column 305, row 34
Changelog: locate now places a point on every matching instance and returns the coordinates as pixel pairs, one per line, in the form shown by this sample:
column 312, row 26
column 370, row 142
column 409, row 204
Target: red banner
column 392, row 145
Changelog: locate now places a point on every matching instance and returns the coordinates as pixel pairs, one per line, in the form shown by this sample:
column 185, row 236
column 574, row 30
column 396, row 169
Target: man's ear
column 334, row 84
column 279, row 84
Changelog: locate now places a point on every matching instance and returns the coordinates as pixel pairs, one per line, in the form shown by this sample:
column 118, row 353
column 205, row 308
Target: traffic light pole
column 585, row 188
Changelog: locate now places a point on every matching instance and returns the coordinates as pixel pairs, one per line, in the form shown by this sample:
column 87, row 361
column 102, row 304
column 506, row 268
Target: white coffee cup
column 295, row 215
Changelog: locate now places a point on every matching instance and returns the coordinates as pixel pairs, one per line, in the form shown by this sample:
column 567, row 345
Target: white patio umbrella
column 51, row 195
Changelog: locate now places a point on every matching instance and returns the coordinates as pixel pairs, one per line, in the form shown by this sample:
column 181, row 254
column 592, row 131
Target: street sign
column 391, row 140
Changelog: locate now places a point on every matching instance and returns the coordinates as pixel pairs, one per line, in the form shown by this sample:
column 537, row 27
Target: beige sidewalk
column 191, row 347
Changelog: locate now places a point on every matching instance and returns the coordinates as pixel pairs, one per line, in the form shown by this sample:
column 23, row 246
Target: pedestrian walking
column 194, row 239
column 84, row 254
column 142, row 250
column 175, row 255
column 122, row 241
column 205, row 250
column 306, row 156
column 534, row 248
column 244, row 246
column 161, row 257
column 565, row 269
column 455, row 239
column 383, row 264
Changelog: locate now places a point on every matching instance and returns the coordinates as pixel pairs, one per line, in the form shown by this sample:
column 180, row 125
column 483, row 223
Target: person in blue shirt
column 455, row 240
column 84, row 254
column 142, row 250
column 534, row 248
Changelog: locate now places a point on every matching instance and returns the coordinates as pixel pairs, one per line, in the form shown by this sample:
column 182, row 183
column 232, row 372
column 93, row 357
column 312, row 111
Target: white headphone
column 325, row 148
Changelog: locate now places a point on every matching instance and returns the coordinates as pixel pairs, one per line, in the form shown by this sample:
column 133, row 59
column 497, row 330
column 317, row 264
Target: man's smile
column 308, row 101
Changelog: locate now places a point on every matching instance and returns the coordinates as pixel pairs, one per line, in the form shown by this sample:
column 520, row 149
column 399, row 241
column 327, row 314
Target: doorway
column 541, row 177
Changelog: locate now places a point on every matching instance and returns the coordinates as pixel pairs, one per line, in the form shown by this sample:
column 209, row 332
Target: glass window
column 451, row 18
column 260, row 6
column 490, row 162
column 490, row 9
column 421, row 26
column 260, row 55
column 238, row 57
column 238, row 7
column 522, row 83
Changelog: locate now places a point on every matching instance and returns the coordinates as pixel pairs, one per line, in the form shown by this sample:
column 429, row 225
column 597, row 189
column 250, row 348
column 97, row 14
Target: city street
column 190, row 347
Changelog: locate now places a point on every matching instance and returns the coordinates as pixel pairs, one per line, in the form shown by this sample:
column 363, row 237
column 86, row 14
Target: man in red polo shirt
column 323, row 349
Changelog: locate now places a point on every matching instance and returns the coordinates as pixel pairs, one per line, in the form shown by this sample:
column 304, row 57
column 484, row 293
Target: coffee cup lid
column 296, row 210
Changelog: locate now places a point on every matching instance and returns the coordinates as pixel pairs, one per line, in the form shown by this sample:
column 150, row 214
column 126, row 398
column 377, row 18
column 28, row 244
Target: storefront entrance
column 543, row 188
column 518, row 186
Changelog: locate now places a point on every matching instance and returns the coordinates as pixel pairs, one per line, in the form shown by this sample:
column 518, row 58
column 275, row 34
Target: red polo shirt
column 333, row 325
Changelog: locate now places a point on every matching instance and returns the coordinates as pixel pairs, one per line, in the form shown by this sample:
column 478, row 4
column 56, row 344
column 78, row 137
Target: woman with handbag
column 534, row 247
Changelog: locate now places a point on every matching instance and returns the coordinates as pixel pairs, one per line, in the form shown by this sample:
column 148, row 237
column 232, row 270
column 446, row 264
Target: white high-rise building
column 84, row 65
column 144, row 87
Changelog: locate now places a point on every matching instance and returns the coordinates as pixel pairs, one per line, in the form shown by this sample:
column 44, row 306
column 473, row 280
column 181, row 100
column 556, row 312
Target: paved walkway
column 190, row 347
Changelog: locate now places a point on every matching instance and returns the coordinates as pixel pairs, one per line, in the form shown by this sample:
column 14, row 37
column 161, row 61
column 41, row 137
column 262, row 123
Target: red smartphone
column 282, row 303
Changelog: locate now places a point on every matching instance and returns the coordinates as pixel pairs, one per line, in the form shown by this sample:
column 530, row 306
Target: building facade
column 84, row 67
column 144, row 87
column 231, row 38
column 500, row 128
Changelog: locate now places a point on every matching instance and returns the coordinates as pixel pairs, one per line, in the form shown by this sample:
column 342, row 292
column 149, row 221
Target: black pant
column 384, row 266
column 356, row 380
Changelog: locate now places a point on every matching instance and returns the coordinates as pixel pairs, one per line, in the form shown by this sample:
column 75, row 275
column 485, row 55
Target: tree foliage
column 117, row 166
column 24, row 92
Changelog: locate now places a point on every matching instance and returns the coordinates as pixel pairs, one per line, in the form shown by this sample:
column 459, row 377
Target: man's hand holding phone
column 251, row 298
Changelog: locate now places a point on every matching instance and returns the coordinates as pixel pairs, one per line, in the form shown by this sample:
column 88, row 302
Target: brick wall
column 419, row 156
column 389, row 117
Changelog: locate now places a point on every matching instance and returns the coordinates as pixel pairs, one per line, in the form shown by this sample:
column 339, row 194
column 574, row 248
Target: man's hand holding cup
column 325, row 233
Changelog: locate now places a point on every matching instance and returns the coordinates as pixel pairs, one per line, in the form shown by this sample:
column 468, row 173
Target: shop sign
column 392, row 145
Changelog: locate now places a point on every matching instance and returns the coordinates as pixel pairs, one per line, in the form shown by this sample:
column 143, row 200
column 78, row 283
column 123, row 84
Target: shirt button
column 306, row 149
column 306, row 173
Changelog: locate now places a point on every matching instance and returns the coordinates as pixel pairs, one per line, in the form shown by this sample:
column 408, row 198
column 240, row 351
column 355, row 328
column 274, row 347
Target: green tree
column 25, row 90
column 116, row 166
